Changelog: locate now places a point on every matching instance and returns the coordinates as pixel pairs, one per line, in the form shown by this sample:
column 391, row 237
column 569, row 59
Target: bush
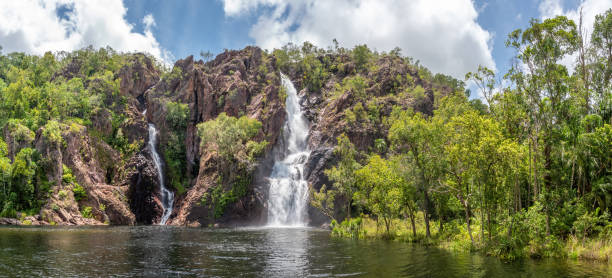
column 86, row 212
column 350, row 228
column 79, row 192
column 361, row 56
column 67, row 177
column 588, row 223
column 62, row 194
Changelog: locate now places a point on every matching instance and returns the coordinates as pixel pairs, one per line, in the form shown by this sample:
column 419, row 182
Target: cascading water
column 167, row 197
column 288, row 196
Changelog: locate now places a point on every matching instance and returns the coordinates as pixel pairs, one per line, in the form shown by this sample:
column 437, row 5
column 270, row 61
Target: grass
column 454, row 237
column 597, row 249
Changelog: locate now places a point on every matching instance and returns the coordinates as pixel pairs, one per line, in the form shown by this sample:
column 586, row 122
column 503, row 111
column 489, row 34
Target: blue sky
column 448, row 36
column 184, row 27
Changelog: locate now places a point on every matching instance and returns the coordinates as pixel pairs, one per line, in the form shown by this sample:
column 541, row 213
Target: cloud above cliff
column 34, row 26
column 443, row 35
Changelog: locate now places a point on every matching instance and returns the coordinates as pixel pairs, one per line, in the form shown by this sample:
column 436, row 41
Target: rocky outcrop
column 238, row 83
column 88, row 159
column 119, row 184
column 141, row 179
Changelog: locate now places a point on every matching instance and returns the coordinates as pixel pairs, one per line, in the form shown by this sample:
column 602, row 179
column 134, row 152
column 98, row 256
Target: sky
column 451, row 37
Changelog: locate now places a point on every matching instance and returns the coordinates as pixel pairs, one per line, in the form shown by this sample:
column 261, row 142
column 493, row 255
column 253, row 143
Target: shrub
column 79, row 192
column 62, row 194
column 86, row 212
column 350, row 228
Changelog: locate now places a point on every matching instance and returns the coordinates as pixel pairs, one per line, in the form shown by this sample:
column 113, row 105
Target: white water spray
column 288, row 196
column 167, row 197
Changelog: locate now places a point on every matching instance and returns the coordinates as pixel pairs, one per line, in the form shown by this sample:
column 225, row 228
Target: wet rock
column 142, row 179
column 9, row 221
column 319, row 160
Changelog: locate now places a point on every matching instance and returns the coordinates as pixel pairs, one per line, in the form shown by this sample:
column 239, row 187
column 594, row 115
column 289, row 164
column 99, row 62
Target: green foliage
column 323, row 200
column 218, row 199
column 379, row 189
column 86, row 212
column 350, row 228
column 175, row 74
column 174, row 149
column 231, row 139
column 62, row 194
column 314, row 74
column 342, row 175
column 229, row 136
column 79, row 192
column 67, row 177
column 361, row 56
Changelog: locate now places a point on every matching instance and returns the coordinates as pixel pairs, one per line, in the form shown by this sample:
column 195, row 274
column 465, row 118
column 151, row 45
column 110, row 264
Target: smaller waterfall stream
column 167, row 196
column 288, row 195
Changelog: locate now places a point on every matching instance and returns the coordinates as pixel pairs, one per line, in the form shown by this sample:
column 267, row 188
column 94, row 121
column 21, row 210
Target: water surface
column 162, row 251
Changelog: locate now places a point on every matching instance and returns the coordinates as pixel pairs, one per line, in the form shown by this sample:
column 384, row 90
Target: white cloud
column 34, row 26
column 443, row 35
column 148, row 21
column 590, row 8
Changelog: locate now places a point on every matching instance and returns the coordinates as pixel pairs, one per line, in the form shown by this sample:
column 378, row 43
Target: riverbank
column 454, row 237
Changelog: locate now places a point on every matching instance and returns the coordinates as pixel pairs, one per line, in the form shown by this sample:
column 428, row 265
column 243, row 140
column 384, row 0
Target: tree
column 485, row 80
column 473, row 158
column 343, row 174
column 174, row 148
column 361, row 56
column 422, row 141
column 379, row 189
column 404, row 166
column 231, row 138
column 206, row 55
column 545, row 85
column 23, row 173
column 323, row 200
column 601, row 51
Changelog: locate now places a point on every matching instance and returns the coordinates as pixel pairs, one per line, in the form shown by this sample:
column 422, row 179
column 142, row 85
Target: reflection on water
column 287, row 256
column 160, row 251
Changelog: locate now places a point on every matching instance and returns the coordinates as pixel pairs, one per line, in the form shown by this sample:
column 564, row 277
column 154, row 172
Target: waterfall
column 288, row 195
column 167, row 197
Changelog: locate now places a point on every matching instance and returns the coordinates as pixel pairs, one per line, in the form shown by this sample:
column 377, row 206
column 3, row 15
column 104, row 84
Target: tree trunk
column 411, row 215
column 348, row 209
column 547, row 183
column 426, row 213
column 467, row 220
column 489, row 223
column 387, row 225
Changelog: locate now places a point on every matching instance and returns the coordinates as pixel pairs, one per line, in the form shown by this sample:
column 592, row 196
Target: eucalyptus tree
column 379, row 189
column 422, row 141
column 544, row 82
column 343, row 174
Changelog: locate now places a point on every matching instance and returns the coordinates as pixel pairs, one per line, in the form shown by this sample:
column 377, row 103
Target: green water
column 157, row 251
